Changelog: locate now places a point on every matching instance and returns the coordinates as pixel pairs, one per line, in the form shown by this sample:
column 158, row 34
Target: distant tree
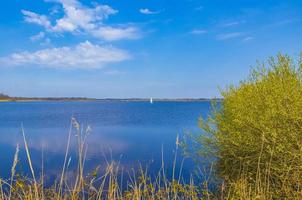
column 257, row 129
column 3, row 96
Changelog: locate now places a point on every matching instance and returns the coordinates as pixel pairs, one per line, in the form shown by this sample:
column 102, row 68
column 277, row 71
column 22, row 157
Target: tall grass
column 107, row 185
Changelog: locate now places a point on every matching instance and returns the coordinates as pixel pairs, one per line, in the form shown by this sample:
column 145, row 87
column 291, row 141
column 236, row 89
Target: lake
column 131, row 133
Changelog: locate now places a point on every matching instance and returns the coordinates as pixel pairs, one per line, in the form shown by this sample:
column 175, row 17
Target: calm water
column 128, row 132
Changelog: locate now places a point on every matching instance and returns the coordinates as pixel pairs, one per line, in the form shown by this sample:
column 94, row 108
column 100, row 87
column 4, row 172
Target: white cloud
column 84, row 55
column 110, row 33
column 113, row 72
column 146, row 11
column 281, row 23
column 247, row 39
column 79, row 18
column 228, row 24
column 35, row 18
column 54, row 10
column 38, row 36
column 232, row 23
column 198, row 31
column 227, row 36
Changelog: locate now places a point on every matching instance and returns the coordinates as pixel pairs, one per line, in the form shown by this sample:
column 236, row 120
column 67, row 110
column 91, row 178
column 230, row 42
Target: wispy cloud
column 228, row 36
column 78, row 18
column 110, row 33
column 281, row 23
column 247, row 39
column 228, row 24
column 83, row 56
column 46, row 42
column 198, row 31
column 38, row 36
column 114, row 72
column 147, row 11
column 35, row 18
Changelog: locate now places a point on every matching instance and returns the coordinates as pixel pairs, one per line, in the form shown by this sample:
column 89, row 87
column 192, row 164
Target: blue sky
column 159, row 48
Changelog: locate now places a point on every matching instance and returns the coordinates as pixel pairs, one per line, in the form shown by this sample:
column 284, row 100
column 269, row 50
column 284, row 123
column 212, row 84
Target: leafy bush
column 256, row 133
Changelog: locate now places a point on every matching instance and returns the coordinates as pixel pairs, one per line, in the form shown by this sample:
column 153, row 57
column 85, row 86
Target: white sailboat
column 151, row 100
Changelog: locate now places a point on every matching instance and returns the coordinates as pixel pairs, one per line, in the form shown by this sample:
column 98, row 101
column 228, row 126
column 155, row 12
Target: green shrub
column 256, row 133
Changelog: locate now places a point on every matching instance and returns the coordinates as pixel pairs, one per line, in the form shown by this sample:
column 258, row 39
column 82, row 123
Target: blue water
column 130, row 133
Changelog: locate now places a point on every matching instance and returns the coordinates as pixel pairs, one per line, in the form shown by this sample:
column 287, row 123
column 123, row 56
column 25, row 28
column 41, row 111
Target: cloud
column 281, row 23
column 247, row 39
column 233, row 23
column 113, row 72
column 78, row 18
column 84, row 55
column 146, row 11
column 110, row 33
column 228, row 36
column 198, row 31
column 46, row 42
column 41, row 36
column 35, row 18
column 37, row 37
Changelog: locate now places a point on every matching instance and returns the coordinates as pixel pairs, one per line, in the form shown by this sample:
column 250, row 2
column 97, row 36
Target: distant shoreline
column 21, row 99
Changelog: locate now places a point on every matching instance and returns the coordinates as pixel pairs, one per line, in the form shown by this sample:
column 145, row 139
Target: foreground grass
column 108, row 185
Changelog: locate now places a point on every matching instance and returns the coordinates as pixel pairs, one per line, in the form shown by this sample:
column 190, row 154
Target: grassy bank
column 5, row 100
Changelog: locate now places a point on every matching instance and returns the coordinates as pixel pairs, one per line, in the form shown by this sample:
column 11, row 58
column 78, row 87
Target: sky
column 140, row 48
